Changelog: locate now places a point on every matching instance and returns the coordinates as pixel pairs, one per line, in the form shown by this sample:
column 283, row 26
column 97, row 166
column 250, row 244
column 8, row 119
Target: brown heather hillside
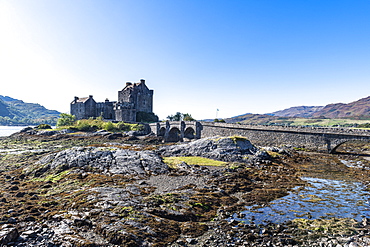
column 359, row 108
column 258, row 119
column 298, row 111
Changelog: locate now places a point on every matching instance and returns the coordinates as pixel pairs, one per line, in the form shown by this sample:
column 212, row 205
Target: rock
column 365, row 221
column 114, row 136
column 108, row 160
column 14, row 188
column 184, row 166
column 20, row 194
column 137, row 133
column 82, row 222
column 47, row 132
column 25, row 129
column 220, row 148
column 191, row 240
column 30, row 218
column 12, row 220
column 8, row 235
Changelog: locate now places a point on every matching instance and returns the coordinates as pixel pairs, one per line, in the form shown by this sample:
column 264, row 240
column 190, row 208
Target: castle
column 135, row 98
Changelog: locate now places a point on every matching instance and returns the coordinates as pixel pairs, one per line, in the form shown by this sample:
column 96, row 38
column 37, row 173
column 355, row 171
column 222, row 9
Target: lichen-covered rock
column 8, row 235
column 220, row 148
column 107, row 160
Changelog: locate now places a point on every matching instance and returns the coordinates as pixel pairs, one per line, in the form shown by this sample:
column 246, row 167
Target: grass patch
column 91, row 124
column 237, row 138
column 54, row 177
column 192, row 160
column 326, row 122
column 333, row 226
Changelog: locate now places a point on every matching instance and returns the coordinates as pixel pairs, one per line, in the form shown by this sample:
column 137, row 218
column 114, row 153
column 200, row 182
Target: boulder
column 8, row 235
column 108, row 160
column 220, row 148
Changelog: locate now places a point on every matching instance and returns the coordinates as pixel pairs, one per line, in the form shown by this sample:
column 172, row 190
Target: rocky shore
column 104, row 189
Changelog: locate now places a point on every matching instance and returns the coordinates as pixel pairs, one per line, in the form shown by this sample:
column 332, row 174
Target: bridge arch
column 189, row 133
column 339, row 145
column 332, row 147
column 162, row 131
column 174, row 135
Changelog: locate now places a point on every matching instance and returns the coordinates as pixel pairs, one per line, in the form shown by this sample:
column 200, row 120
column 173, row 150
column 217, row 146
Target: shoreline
column 92, row 200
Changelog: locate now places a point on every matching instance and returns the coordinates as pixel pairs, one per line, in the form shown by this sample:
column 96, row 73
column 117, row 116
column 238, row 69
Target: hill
column 17, row 112
column 359, row 109
column 339, row 114
column 356, row 109
column 298, row 111
column 258, row 119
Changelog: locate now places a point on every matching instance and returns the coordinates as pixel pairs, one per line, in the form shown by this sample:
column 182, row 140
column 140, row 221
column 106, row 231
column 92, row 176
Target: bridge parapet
column 299, row 129
column 310, row 138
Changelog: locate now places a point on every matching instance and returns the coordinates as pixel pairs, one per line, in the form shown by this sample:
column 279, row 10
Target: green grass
column 98, row 124
column 326, row 122
column 192, row 160
column 54, row 177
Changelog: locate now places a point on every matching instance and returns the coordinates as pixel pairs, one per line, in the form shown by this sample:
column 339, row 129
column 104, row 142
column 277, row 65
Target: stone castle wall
column 135, row 97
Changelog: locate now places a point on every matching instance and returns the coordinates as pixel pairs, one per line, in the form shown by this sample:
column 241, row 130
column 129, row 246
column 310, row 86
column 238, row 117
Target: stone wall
column 135, row 97
column 138, row 95
column 317, row 139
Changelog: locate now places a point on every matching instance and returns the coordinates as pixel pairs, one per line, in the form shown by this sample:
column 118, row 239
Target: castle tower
column 134, row 98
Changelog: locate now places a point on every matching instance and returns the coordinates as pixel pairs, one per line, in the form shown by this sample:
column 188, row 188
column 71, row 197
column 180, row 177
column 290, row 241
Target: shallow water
column 323, row 198
column 8, row 130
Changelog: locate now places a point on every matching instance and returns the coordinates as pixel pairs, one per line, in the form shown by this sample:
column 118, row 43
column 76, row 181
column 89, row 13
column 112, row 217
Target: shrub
column 123, row 126
column 109, row 126
column 43, row 126
column 365, row 125
column 66, row 120
column 146, row 117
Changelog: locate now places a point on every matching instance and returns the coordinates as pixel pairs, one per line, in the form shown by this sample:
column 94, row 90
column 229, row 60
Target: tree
column 177, row 117
column 188, row 117
column 181, row 117
column 66, row 119
column 146, row 117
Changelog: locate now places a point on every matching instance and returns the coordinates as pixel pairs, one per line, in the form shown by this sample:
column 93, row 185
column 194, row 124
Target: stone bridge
column 177, row 131
column 310, row 138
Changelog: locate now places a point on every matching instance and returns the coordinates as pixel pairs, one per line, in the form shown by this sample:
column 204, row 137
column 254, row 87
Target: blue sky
column 198, row 55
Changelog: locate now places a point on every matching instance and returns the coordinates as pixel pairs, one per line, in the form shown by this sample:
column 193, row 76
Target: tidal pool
column 322, row 198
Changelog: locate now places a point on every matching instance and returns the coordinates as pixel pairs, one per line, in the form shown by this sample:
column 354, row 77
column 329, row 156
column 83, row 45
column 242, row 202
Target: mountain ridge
column 17, row 112
column 358, row 108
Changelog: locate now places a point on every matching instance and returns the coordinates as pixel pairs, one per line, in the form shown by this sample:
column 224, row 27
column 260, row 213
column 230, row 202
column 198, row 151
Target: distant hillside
column 298, row 111
column 356, row 109
column 14, row 112
column 312, row 115
column 4, row 111
column 257, row 119
column 7, row 98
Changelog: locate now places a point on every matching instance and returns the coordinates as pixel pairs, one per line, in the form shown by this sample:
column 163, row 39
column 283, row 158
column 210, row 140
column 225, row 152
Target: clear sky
column 247, row 56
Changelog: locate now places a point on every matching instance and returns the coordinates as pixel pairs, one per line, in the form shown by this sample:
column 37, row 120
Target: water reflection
column 323, row 198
